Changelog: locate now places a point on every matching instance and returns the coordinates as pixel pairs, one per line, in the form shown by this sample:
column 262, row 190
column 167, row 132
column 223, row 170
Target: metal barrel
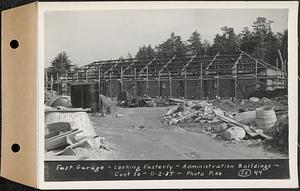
column 76, row 95
column 91, row 96
column 85, row 95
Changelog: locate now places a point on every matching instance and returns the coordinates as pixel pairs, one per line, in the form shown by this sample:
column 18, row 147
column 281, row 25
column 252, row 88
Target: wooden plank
column 68, row 110
column 64, row 134
column 53, row 129
column 60, row 141
column 249, row 129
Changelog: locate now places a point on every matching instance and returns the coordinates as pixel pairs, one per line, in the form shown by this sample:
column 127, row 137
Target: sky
column 89, row 36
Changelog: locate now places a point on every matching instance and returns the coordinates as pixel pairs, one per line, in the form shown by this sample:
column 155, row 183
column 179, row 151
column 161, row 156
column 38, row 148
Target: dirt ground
column 138, row 134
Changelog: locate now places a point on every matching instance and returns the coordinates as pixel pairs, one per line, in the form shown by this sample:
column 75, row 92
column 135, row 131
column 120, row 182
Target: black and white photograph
column 184, row 84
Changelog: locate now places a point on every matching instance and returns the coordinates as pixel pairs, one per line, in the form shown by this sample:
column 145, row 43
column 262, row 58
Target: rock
column 254, row 99
column 235, row 133
column 264, row 99
column 242, row 102
column 180, row 108
column 202, row 103
column 220, row 128
column 171, row 111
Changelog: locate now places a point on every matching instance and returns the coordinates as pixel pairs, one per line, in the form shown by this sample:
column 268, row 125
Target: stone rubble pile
column 231, row 125
column 196, row 111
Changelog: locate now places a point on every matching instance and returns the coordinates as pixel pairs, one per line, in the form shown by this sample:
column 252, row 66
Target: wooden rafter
column 167, row 64
column 188, row 63
column 211, row 62
column 234, row 67
column 258, row 61
column 111, row 68
column 130, row 65
column 151, row 61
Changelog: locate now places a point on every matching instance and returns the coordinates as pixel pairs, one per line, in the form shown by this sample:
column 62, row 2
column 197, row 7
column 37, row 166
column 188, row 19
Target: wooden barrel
column 265, row 118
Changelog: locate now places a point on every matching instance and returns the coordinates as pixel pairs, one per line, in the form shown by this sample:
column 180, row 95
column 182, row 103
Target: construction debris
column 254, row 99
column 69, row 132
column 192, row 111
column 235, row 133
column 253, row 122
column 64, row 101
column 77, row 117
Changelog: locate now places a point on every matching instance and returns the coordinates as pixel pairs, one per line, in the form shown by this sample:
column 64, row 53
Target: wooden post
column 147, row 81
column 201, row 81
column 121, row 79
column 235, row 86
column 158, row 84
column 185, row 85
column 170, row 85
column 67, row 92
column 77, row 76
column 285, row 71
column 110, row 84
column 217, row 83
column 135, row 84
column 99, row 80
column 256, row 82
column 235, row 81
column 277, row 80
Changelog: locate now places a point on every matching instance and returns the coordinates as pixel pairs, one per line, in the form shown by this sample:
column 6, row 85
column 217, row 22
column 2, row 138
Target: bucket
column 265, row 118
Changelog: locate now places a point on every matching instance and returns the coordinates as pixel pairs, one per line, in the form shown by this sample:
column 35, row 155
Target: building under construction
column 194, row 76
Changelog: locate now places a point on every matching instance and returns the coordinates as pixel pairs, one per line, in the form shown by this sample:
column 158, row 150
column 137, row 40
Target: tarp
column 105, row 104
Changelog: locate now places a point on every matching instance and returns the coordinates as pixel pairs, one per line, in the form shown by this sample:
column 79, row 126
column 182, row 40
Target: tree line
column 258, row 40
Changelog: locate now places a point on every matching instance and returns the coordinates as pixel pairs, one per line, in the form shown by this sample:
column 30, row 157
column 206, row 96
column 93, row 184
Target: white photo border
column 292, row 6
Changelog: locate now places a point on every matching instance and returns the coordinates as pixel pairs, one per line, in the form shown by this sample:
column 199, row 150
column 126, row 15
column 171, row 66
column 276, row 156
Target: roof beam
column 151, row 61
column 110, row 69
column 258, row 61
column 188, row 63
column 135, row 60
column 234, row 67
column 212, row 61
column 167, row 64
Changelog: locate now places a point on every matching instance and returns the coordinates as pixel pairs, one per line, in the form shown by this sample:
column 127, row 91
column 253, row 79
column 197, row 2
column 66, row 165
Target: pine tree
column 146, row 52
column 172, row 46
column 60, row 64
column 195, row 45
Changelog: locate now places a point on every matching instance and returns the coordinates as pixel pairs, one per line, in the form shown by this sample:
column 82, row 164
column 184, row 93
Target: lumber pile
column 77, row 117
column 69, row 134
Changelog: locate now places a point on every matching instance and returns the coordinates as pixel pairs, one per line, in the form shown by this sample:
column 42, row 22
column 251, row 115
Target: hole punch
column 14, row 44
column 15, row 148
